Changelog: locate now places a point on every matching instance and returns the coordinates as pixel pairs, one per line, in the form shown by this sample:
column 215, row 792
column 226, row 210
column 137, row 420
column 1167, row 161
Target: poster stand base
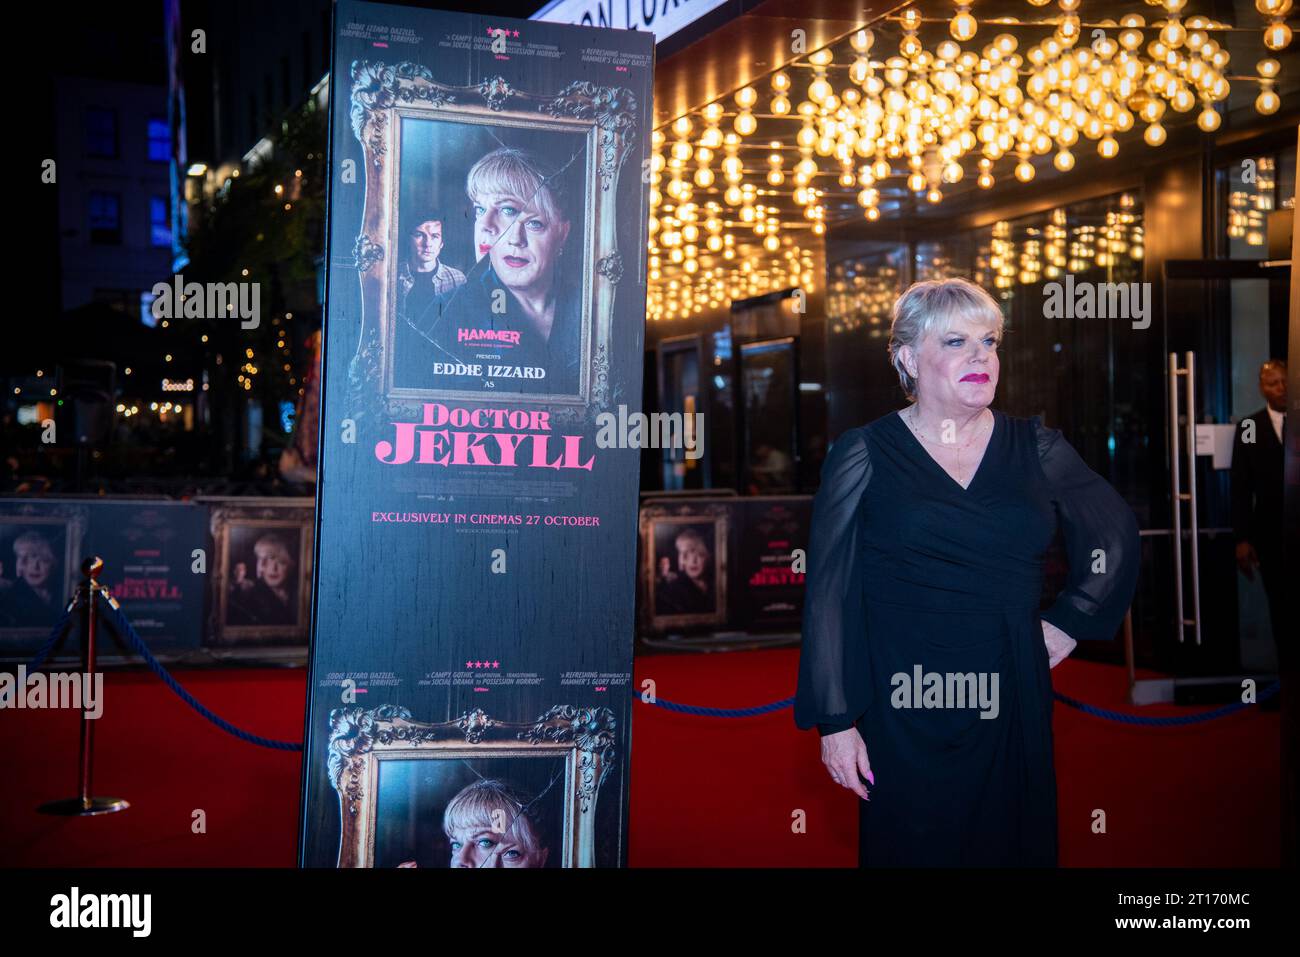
column 76, row 807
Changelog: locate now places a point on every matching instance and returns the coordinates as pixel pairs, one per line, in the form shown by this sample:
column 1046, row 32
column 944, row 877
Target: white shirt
column 1277, row 421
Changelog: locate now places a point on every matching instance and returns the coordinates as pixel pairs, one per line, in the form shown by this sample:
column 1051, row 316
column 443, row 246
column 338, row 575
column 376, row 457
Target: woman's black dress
column 907, row 569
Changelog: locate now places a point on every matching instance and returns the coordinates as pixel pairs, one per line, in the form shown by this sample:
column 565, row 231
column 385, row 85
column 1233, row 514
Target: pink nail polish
column 871, row 777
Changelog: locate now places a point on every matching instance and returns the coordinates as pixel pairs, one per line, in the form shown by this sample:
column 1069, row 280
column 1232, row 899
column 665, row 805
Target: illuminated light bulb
column 985, row 179
column 1183, row 100
column 1174, row 33
column 1268, row 68
column 771, row 243
column 1277, row 35
column 682, row 151
column 819, row 90
column 704, row 177
column 916, row 182
column 933, row 195
column 1064, row 161
column 682, row 126
column 1268, row 102
column 775, row 177
column 780, row 82
column 963, row 26
column 952, row 173
column 746, row 97
column 871, row 213
column 1154, row 135
column 1108, row 148
column 1024, row 171
column 745, row 124
column 1209, row 119
column 733, row 196
column 868, row 197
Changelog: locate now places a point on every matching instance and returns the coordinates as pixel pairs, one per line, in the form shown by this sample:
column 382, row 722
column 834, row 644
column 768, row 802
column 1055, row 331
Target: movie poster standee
column 475, row 549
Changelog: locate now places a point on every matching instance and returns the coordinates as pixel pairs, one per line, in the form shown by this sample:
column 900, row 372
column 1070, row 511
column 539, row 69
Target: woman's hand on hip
column 1059, row 644
column 845, row 756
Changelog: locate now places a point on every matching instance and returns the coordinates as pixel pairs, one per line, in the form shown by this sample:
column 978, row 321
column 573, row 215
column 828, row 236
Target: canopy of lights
column 918, row 105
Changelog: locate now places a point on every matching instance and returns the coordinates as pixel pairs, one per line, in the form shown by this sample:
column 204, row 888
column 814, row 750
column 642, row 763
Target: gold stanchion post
column 85, row 804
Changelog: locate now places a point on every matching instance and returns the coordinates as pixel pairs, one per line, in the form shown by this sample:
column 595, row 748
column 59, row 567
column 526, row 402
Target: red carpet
column 705, row 791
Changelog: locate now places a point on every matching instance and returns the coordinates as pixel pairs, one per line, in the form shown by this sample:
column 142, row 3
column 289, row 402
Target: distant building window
column 101, row 133
column 160, row 230
column 160, row 140
column 105, row 215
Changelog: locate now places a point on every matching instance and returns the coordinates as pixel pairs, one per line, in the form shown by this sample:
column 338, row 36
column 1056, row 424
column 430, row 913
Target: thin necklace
column 961, row 475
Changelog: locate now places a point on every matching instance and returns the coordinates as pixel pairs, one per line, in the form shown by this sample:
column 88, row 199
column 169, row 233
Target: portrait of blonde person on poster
column 520, row 306
column 926, row 556
column 269, row 597
column 31, row 597
column 490, row 824
column 685, row 584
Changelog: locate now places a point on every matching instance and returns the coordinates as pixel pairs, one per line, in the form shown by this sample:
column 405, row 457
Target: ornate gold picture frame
column 51, row 522
column 579, row 741
column 661, row 522
column 383, row 97
column 294, row 524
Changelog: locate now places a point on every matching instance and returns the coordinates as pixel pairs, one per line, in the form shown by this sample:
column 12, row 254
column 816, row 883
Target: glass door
column 1224, row 320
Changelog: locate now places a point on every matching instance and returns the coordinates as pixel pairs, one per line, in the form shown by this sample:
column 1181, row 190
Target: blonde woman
column 519, row 304
column 925, row 662
column 490, row 824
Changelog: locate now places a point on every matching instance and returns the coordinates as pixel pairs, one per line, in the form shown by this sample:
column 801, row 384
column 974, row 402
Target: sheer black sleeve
column 834, row 687
column 1101, row 542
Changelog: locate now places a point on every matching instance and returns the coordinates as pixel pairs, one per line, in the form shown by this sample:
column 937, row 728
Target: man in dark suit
column 1257, row 494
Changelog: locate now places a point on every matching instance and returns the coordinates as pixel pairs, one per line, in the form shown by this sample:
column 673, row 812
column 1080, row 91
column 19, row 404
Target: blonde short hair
column 273, row 543
column 926, row 307
column 475, row 803
column 517, row 173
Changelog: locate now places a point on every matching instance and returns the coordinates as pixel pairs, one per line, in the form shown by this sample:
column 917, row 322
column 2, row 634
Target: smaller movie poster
column 261, row 585
column 684, row 566
column 40, row 557
column 774, row 536
column 155, row 565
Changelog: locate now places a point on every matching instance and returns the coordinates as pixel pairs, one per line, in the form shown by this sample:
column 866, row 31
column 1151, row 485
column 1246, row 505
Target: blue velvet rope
column 114, row 618
column 55, row 637
column 119, row 623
